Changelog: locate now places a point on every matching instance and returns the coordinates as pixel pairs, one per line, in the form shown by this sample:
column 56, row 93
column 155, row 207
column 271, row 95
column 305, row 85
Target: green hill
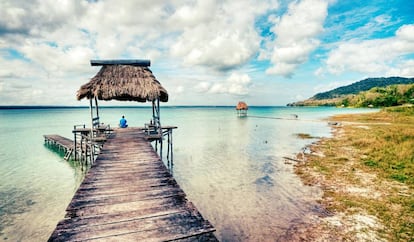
column 363, row 85
column 371, row 92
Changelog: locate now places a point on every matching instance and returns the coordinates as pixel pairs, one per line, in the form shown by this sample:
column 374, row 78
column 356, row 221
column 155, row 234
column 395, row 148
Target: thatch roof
column 242, row 106
column 123, row 82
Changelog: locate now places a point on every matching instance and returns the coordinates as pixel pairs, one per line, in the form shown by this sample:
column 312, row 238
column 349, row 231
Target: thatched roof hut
column 123, row 82
column 242, row 106
column 242, row 109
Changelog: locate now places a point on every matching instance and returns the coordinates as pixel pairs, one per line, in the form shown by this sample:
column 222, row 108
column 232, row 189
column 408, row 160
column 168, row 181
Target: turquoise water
column 231, row 168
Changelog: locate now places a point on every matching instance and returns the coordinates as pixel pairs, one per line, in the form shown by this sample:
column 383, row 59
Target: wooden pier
column 129, row 195
column 62, row 143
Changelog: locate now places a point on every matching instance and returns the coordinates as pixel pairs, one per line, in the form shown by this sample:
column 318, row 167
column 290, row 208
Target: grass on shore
column 368, row 167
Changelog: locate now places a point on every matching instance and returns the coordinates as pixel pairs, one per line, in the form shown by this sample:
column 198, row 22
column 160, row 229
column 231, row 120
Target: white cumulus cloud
column 373, row 56
column 236, row 84
column 296, row 35
column 405, row 68
column 219, row 34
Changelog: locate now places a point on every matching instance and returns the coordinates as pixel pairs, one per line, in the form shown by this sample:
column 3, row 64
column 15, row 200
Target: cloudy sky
column 204, row 52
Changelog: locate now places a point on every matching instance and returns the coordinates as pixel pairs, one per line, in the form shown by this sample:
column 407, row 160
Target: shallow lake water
column 232, row 169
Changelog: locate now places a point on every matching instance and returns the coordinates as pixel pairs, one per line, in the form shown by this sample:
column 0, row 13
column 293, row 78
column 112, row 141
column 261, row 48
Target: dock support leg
column 168, row 148
column 74, row 145
column 172, row 155
column 161, row 147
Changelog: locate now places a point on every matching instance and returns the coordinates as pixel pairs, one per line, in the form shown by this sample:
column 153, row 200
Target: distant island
column 370, row 92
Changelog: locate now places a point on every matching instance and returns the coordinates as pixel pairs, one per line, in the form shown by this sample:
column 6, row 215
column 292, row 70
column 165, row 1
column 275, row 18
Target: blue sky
column 204, row 52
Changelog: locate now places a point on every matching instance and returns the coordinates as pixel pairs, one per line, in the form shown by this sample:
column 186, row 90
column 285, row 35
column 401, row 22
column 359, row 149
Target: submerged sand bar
column 130, row 195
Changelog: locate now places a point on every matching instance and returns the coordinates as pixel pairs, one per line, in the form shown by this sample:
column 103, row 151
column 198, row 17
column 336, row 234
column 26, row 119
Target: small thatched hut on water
column 242, row 109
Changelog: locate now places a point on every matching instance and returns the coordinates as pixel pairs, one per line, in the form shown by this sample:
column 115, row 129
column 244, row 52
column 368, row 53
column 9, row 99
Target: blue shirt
column 123, row 123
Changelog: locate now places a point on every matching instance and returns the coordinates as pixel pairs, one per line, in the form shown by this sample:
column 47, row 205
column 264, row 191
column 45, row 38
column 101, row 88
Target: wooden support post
column 97, row 108
column 91, row 133
column 161, row 147
column 74, row 141
column 172, row 155
column 168, row 147
column 153, row 111
column 82, row 150
column 158, row 112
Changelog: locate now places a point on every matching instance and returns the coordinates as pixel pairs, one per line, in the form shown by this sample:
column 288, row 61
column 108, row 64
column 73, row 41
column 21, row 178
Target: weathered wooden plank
column 99, row 219
column 152, row 181
column 149, row 206
column 173, row 224
column 158, row 192
column 125, row 169
column 142, row 175
column 119, row 191
column 191, row 235
column 132, row 156
column 79, row 202
column 149, row 172
column 127, row 164
column 126, row 178
column 142, row 169
column 108, row 187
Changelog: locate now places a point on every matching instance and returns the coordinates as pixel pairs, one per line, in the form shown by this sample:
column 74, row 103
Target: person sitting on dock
column 123, row 122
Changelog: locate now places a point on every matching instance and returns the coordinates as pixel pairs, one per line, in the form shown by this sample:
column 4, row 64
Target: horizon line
column 126, row 106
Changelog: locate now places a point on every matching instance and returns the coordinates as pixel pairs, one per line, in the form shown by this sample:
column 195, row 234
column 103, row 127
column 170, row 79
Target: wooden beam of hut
column 132, row 62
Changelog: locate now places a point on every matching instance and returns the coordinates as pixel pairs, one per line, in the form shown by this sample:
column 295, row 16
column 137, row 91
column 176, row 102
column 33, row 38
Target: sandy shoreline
column 326, row 225
column 345, row 182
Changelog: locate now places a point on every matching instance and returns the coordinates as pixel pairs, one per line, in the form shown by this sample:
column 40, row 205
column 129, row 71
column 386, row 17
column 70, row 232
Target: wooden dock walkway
column 59, row 140
column 129, row 195
column 61, row 143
